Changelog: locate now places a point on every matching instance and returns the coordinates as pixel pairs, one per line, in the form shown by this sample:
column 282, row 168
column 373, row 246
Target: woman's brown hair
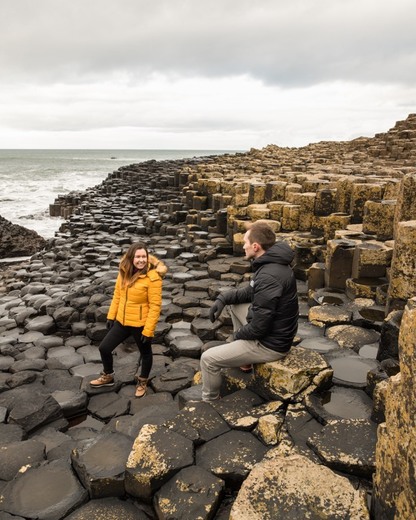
column 128, row 272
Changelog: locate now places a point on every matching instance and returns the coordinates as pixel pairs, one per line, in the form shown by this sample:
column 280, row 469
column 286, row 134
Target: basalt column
column 403, row 267
column 406, row 201
column 395, row 478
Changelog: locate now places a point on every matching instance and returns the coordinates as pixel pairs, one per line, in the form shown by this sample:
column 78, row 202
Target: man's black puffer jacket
column 272, row 317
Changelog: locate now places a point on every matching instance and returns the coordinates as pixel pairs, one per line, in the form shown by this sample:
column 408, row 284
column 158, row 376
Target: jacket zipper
column 125, row 304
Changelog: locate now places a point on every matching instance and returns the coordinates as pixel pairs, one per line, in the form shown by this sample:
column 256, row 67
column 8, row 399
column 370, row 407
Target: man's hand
column 216, row 310
column 109, row 324
column 146, row 341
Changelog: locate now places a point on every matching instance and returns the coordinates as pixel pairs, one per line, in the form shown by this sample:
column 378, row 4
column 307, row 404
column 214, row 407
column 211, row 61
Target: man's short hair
column 261, row 233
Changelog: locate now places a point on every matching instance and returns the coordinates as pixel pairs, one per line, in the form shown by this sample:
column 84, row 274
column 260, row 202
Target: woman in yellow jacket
column 135, row 311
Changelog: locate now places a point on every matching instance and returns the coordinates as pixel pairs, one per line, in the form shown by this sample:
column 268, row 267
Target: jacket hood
column 279, row 253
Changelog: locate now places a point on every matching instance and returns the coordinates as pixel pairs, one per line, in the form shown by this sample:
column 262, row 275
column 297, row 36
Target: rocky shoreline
column 297, row 439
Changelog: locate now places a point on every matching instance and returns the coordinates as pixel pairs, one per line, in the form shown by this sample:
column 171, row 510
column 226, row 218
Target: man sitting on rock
column 264, row 314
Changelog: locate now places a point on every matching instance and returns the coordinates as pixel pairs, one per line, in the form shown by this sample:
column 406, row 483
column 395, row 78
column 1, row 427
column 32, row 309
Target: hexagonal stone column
column 157, row 454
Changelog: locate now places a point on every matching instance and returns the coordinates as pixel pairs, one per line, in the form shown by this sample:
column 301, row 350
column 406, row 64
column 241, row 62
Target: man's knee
column 207, row 360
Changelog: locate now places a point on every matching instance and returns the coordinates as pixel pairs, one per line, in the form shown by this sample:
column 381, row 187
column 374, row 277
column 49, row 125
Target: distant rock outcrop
column 17, row 240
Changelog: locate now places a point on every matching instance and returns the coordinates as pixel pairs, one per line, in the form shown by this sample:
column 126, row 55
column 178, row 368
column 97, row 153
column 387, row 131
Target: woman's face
column 140, row 259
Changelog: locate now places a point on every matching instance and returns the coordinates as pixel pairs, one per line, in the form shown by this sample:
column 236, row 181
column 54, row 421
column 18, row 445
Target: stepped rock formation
column 17, row 240
column 307, row 434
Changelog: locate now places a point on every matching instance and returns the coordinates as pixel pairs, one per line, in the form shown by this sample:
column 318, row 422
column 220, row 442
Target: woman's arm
column 112, row 312
column 154, row 296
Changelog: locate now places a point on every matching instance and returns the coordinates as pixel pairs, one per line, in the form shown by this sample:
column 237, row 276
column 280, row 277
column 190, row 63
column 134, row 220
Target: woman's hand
column 146, row 341
column 109, row 324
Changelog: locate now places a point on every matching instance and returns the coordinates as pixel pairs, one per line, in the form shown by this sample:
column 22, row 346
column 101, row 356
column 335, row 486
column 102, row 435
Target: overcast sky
column 212, row 74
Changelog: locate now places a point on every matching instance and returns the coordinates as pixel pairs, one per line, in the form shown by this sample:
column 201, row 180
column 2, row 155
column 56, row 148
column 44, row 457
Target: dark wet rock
column 25, row 377
column 38, row 409
column 193, row 393
column 26, row 496
column 57, row 352
column 90, row 354
column 191, row 493
column 22, row 317
column 175, row 379
column 6, row 362
column 71, row 403
column 339, row 402
column 301, row 425
column 108, row 509
column 50, row 438
column 10, row 433
column 204, row 329
column 32, row 353
column 64, row 362
column 96, row 331
column 185, row 301
column 239, row 409
column 100, row 465
column 231, row 456
column 15, row 456
column 188, row 346
column 7, row 323
column 78, row 341
column 60, row 380
column 17, row 240
column 30, row 337
column 49, row 342
column 347, row 445
column 6, row 516
column 154, row 414
column 160, row 398
column 157, row 454
column 198, row 422
column 28, row 364
column 290, row 486
column 44, row 324
column 64, row 317
column 106, row 406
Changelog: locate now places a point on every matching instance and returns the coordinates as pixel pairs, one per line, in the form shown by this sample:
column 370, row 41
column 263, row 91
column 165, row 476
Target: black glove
column 109, row 324
column 146, row 341
column 216, row 309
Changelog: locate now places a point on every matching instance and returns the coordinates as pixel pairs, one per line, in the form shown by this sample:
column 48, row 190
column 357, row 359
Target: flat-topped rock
column 157, row 454
column 100, row 465
column 290, row 486
column 351, row 448
column 26, row 495
column 300, row 371
column 231, row 456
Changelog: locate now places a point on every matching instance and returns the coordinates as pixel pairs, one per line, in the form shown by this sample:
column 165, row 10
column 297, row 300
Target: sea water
column 30, row 180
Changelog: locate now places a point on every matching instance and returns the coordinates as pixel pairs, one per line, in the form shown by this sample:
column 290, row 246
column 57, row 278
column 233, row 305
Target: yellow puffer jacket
column 138, row 305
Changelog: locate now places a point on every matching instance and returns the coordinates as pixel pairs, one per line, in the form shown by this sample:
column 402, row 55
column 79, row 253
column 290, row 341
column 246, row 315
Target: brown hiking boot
column 103, row 380
column 141, row 387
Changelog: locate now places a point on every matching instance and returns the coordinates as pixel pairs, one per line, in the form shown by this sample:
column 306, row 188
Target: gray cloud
column 292, row 43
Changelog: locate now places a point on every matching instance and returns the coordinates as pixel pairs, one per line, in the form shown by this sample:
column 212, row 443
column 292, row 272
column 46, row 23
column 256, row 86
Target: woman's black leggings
column 116, row 335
